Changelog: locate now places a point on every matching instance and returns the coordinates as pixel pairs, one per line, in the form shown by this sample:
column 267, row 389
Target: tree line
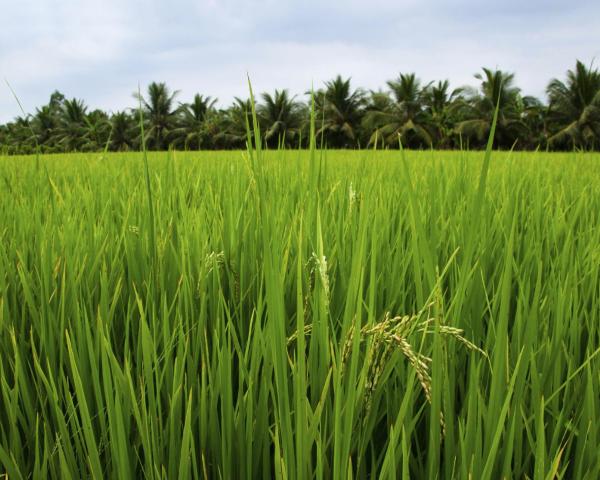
column 417, row 114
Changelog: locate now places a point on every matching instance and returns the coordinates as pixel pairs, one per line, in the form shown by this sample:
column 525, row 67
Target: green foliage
column 339, row 110
column 281, row 117
column 419, row 115
column 497, row 89
column 574, row 110
column 193, row 125
column 404, row 117
column 160, row 114
column 285, row 314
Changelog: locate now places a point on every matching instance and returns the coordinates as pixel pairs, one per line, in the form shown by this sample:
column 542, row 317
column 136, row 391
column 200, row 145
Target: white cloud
column 99, row 51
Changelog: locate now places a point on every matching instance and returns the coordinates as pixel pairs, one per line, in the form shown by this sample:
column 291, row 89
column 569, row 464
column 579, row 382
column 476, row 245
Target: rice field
column 300, row 314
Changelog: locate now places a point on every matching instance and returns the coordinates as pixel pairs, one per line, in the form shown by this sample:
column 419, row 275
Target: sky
column 102, row 50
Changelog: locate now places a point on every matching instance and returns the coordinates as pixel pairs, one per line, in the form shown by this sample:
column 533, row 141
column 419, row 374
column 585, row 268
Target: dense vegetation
column 300, row 314
column 421, row 115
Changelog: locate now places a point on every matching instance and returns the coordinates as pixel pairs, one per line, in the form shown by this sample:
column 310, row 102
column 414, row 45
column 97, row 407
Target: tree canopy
column 408, row 111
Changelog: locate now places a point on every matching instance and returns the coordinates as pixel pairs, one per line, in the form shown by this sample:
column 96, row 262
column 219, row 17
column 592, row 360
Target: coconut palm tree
column 234, row 123
column 419, row 115
column 497, row 89
column 377, row 101
column 97, row 131
column 19, row 136
column 56, row 100
column 281, row 117
column 404, row 118
column 159, row 114
column 71, row 131
column 192, row 132
column 123, row 126
column 339, row 111
column 4, row 140
column 440, row 103
column 45, row 123
column 574, row 109
column 533, row 115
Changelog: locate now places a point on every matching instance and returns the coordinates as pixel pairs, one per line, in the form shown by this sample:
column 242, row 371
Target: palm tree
column 122, row 127
column 440, row 102
column 97, row 131
column 45, row 123
column 339, row 111
column 377, row 101
column 497, row 89
column 235, row 121
column 404, row 117
column 4, row 140
column 74, row 111
column 56, row 100
column 574, row 110
column 431, row 115
column 281, row 117
column 192, row 129
column 19, row 136
column 533, row 115
column 159, row 115
column 72, row 125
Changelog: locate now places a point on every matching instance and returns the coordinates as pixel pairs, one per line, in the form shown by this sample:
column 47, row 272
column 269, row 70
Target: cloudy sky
column 101, row 50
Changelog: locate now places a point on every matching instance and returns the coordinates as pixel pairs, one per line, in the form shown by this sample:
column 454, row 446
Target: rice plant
column 300, row 314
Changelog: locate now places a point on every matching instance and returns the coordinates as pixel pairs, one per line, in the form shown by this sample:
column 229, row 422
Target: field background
column 296, row 314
